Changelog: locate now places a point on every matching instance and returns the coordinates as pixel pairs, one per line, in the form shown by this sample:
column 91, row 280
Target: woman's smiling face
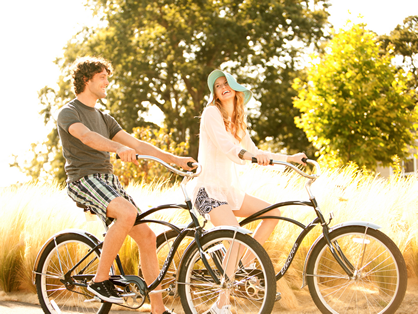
column 222, row 90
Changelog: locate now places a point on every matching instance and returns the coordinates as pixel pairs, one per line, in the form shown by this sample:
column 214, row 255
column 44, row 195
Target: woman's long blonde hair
column 237, row 125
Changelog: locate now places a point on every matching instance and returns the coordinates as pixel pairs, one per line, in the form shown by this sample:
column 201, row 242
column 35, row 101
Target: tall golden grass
column 32, row 213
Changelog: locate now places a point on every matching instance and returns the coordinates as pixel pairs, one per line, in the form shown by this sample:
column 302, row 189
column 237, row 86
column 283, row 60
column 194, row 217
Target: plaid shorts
column 96, row 191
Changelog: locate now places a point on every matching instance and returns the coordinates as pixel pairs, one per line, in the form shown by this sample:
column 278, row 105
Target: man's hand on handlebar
column 297, row 158
column 184, row 162
column 127, row 154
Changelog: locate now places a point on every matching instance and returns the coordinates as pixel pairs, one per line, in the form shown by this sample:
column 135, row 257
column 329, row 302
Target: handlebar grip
column 304, row 159
column 254, row 160
column 118, row 157
column 190, row 164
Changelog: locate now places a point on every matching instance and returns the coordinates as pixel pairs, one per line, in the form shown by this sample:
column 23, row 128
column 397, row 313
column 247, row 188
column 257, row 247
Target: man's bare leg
column 125, row 214
column 146, row 240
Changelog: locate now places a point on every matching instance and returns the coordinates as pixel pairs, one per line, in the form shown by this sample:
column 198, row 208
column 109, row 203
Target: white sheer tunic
column 218, row 155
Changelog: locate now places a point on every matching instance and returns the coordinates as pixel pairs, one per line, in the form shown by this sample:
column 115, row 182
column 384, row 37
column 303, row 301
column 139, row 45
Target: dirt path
column 25, row 303
column 408, row 306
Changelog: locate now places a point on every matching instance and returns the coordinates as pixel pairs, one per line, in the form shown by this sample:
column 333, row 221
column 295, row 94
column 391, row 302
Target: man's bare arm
column 98, row 142
column 144, row 148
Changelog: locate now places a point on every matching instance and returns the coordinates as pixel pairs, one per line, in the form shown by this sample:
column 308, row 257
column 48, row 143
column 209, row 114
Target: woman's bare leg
column 224, row 216
column 250, row 206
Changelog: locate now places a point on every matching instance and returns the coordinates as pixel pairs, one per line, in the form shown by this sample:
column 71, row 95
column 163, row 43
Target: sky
column 34, row 33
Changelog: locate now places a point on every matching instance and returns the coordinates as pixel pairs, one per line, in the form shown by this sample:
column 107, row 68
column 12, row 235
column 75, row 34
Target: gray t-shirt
column 82, row 160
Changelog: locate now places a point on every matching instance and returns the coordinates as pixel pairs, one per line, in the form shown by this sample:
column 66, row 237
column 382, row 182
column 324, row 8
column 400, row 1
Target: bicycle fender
column 83, row 233
column 193, row 243
column 232, row 228
column 337, row 226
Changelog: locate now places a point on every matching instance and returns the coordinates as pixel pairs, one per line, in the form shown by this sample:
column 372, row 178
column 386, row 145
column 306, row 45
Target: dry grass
column 32, row 213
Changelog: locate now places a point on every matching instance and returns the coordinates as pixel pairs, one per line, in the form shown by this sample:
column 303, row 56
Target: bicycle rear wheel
column 380, row 275
column 59, row 293
column 165, row 241
column 248, row 289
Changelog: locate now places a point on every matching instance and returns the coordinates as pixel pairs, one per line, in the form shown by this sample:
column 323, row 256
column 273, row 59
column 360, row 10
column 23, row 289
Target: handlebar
column 172, row 169
column 293, row 167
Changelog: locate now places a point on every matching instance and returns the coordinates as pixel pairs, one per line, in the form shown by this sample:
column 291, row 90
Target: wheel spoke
column 245, row 290
column 374, row 288
column 59, row 258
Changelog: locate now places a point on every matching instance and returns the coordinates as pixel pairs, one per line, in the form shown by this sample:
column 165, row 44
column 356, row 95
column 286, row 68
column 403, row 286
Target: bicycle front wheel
column 60, row 291
column 246, row 288
column 380, row 276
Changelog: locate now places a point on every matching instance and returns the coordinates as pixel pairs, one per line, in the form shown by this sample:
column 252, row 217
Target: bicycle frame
column 302, row 235
column 142, row 218
column 194, row 225
column 334, row 248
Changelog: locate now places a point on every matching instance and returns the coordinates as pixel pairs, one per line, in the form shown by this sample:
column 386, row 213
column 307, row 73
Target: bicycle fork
column 336, row 251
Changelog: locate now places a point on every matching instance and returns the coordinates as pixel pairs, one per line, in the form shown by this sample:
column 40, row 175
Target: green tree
column 148, row 171
column 403, row 42
column 356, row 106
column 163, row 51
column 273, row 121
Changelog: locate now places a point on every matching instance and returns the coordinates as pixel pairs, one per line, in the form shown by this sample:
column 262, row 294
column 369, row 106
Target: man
column 87, row 136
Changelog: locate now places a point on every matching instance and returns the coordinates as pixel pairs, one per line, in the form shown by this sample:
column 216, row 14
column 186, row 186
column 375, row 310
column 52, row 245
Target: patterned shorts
column 204, row 204
column 96, row 191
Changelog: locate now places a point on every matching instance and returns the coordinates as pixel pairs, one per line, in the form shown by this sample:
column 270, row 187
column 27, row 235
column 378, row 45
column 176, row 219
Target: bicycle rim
column 379, row 280
column 164, row 244
column 251, row 289
column 57, row 297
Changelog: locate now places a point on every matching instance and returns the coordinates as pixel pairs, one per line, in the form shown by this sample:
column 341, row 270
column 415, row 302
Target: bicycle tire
column 55, row 296
column 380, row 280
column 276, row 249
column 164, row 244
column 251, row 290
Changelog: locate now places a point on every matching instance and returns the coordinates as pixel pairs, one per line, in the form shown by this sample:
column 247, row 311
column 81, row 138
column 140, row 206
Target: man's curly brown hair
column 83, row 69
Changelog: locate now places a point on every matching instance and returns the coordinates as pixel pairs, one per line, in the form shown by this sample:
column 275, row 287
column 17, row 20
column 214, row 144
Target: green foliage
column 162, row 52
column 47, row 162
column 149, row 171
column 403, row 42
column 273, row 124
column 356, row 106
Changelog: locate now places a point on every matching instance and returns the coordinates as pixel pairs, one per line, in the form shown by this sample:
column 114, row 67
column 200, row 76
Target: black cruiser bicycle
column 351, row 267
column 69, row 260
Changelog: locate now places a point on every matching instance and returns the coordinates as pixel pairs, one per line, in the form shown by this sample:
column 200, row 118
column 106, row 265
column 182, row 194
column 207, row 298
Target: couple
column 88, row 135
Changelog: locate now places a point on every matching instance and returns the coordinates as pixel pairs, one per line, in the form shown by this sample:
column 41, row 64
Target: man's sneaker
column 105, row 290
column 215, row 310
column 168, row 312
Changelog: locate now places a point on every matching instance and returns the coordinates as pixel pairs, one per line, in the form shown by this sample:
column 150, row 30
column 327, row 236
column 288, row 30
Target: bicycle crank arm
column 95, row 299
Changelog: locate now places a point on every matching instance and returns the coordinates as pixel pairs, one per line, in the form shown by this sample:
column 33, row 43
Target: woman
column 224, row 144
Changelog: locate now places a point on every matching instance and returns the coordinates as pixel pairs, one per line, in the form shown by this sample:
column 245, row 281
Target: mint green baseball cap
column 214, row 75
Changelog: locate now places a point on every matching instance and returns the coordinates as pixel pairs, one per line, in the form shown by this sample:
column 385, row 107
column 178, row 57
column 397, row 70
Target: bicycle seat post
column 187, row 199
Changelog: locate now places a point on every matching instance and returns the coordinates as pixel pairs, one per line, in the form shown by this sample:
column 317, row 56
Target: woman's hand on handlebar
column 297, row 158
column 262, row 159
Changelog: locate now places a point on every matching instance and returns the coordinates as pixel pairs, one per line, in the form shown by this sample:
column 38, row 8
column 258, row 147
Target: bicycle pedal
column 95, row 299
column 278, row 297
column 172, row 291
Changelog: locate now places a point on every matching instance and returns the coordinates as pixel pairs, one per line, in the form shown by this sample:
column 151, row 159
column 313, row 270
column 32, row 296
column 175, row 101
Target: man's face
column 97, row 85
